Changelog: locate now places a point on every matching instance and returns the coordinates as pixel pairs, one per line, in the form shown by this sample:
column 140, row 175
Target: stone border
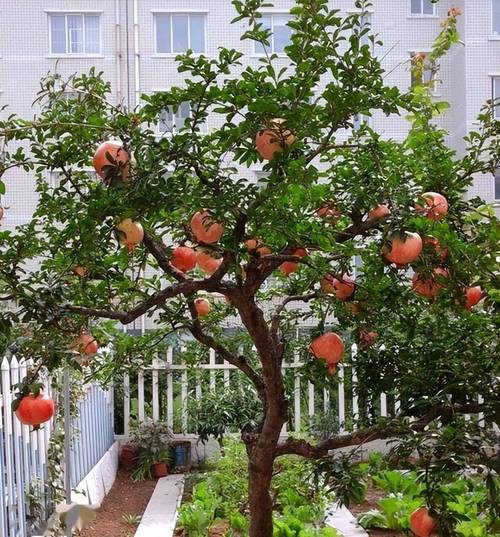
column 342, row 519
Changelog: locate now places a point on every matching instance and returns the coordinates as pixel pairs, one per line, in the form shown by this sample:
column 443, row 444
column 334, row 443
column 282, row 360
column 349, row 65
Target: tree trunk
column 261, row 503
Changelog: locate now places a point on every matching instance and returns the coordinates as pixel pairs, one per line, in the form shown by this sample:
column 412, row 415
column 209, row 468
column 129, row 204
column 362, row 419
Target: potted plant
column 152, row 442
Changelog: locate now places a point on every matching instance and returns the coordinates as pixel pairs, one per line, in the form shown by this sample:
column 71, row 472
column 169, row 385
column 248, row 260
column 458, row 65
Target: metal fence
column 24, row 490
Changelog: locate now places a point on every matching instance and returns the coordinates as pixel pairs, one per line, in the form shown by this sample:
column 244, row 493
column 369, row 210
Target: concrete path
column 161, row 513
column 341, row 519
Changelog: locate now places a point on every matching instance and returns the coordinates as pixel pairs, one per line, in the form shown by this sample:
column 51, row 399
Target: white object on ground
column 161, row 513
column 342, row 520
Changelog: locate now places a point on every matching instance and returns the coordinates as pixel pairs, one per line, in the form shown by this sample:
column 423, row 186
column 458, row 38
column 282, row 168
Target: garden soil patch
column 125, row 498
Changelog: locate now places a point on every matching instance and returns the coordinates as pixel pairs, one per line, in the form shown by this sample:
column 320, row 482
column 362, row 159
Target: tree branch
column 275, row 319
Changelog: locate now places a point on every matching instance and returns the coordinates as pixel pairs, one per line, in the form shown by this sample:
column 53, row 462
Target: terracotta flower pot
column 127, row 457
column 160, row 469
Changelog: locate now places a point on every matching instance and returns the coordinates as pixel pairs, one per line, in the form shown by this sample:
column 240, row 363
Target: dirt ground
column 125, row 498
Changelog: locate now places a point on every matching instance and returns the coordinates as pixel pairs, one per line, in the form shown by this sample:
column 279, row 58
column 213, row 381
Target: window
column 497, row 184
column 280, row 33
column 495, row 4
column 179, row 33
column 496, row 96
column 172, row 120
column 359, row 120
column 57, row 179
column 422, row 7
column 364, row 24
column 75, row 34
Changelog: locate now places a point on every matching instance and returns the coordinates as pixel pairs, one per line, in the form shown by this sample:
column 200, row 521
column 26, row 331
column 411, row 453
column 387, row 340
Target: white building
column 134, row 43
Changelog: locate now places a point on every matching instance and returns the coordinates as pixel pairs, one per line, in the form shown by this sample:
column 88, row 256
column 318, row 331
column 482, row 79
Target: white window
column 359, row 120
column 75, row 33
column 365, row 23
column 496, row 96
column 179, row 33
column 280, row 33
column 497, row 184
column 172, row 119
column 57, row 179
column 422, row 7
column 495, row 5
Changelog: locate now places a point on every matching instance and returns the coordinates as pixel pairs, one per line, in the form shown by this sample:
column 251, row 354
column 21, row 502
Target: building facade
column 134, row 43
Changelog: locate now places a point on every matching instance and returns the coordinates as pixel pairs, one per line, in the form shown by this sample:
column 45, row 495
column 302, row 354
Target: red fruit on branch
column 342, row 287
column 441, row 252
column 256, row 246
column 207, row 263
column 34, row 410
column 429, row 286
column 131, row 234
column 472, row 296
column 205, row 229
column 328, row 347
column 274, row 140
column 436, row 206
column 202, row 306
column 108, row 157
column 403, row 249
column 421, row 523
column 80, row 271
column 183, row 258
column 379, row 211
column 328, row 211
column 288, row 267
column 367, row 338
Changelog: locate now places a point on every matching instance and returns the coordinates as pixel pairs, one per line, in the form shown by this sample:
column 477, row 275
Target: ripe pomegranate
column 256, row 246
column 472, row 296
column 270, row 141
column 131, row 234
column 367, row 338
column 342, row 287
column 202, row 306
column 183, row 258
column 329, row 212
column 207, row 263
column 436, row 205
column 108, row 157
column 379, row 211
column 328, row 347
column 441, row 252
column 87, row 343
column 35, row 409
column 403, row 249
column 288, row 267
column 421, row 523
column 80, row 271
column 428, row 286
column 205, row 229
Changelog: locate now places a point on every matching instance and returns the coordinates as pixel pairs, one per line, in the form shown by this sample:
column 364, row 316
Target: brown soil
column 372, row 497
column 125, row 498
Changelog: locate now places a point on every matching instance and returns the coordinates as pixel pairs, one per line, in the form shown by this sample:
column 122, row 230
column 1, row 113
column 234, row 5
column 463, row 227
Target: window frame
column 171, row 14
column 203, row 127
column 65, row 14
column 422, row 14
column 272, row 14
column 495, row 80
column 496, row 177
column 495, row 34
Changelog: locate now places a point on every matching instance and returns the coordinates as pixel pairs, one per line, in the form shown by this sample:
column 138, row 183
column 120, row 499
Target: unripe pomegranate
column 205, row 229
column 403, row 249
column 131, row 234
column 328, row 347
column 472, row 296
column 342, row 287
column 183, row 258
column 428, row 286
column 288, row 267
column 110, row 156
column 35, row 409
column 436, row 206
column 271, row 141
column 379, row 211
column 207, row 263
column 441, row 252
column 255, row 245
column 202, row 306
column 421, row 523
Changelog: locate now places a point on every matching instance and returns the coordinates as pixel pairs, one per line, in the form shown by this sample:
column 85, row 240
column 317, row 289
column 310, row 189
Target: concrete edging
column 343, row 520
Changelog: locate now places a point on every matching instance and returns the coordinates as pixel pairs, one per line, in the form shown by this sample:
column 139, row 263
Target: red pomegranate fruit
column 328, row 211
column 273, row 140
column 34, row 410
column 379, row 211
column 429, row 286
column 109, row 157
column 367, row 338
column 288, row 267
column 183, row 258
column 80, row 271
column 207, row 263
column 131, row 234
column 205, row 229
column 403, row 249
column 202, row 306
column 434, row 243
column 421, row 523
column 473, row 295
column 256, row 246
column 342, row 287
column 436, row 206
column 328, row 347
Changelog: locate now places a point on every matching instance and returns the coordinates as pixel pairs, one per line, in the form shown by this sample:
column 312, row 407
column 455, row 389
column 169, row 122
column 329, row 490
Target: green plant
column 396, row 481
column 132, row 519
column 393, row 513
column 146, row 459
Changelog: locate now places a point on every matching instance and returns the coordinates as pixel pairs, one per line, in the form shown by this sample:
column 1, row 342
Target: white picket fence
column 163, row 392
column 23, row 453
